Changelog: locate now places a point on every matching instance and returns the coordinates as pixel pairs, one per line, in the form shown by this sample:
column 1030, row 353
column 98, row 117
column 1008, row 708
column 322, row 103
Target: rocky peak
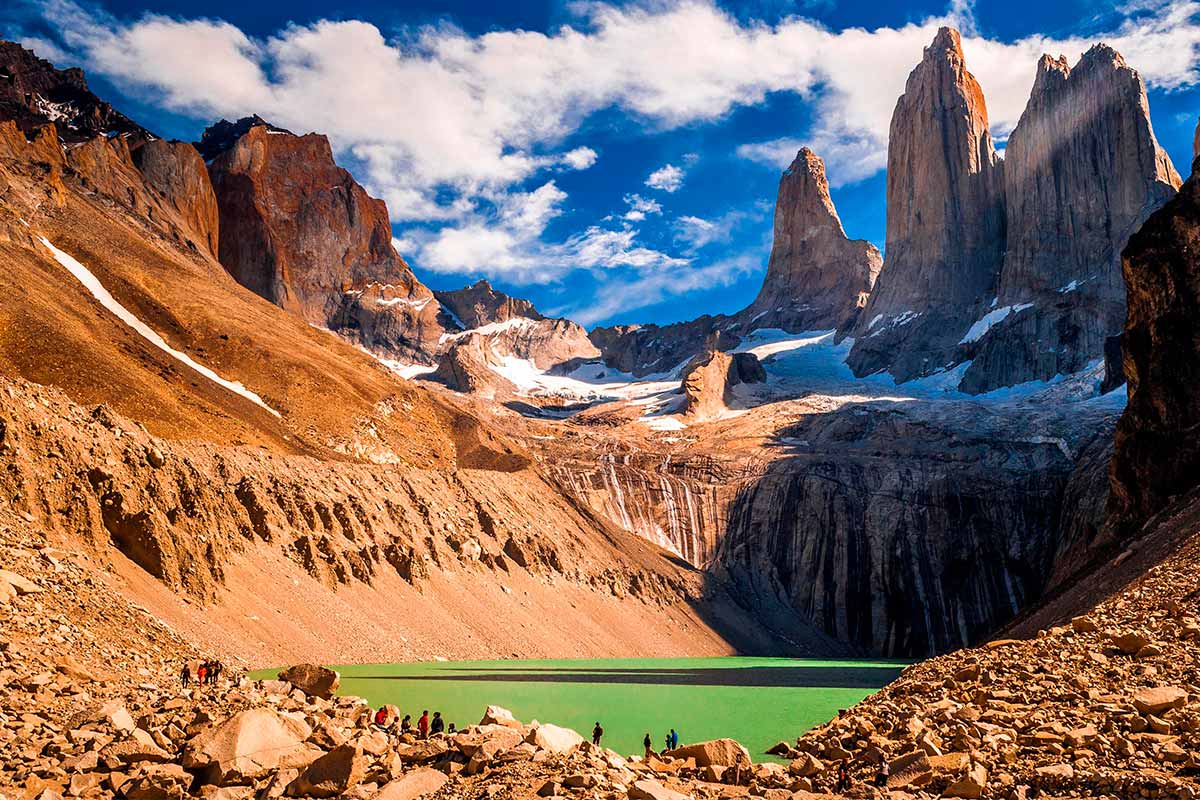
column 34, row 93
column 945, row 220
column 479, row 304
column 709, row 380
column 1082, row 172
column 816, row 277
column 298, row 230
column 223, row 135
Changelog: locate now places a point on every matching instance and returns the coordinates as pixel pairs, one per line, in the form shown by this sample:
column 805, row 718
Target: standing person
column 885, row 772
column 646, row 744
column 438, row 725
column 202, row 673
column 423, row 725
column 185, row 677
column 843, row 777
column 597, row 732
column 674, row 737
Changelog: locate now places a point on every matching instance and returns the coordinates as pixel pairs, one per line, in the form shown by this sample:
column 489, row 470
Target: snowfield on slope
column 105, row 298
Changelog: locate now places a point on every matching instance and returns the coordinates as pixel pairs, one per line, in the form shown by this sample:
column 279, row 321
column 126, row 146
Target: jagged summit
column 222, row 135
column 1083, row 170
column 816, row 278
column 945, row 220
column 34, row 93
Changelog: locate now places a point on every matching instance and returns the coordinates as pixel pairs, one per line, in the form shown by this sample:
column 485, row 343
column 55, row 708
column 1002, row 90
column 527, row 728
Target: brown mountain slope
column 381, row 520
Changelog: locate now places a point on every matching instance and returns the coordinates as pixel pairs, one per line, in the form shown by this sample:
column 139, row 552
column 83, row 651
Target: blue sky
column 613, row 162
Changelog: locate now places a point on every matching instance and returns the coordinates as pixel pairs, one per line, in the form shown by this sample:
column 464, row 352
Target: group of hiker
column 201, row 673
column 670, row 741
column 389, row 720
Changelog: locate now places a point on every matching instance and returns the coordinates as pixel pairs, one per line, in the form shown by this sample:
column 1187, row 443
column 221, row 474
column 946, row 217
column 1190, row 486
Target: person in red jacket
column 423, row 725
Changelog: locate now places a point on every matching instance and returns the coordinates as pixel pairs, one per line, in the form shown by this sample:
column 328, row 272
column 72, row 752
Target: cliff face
column 817, row 279
column 298, row 230
column 1157, row 452
column 945, row 221
column 1082, row 172
column 928, row 549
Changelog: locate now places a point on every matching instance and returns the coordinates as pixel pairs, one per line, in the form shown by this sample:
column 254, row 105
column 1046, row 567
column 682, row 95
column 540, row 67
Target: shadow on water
column 842, row 677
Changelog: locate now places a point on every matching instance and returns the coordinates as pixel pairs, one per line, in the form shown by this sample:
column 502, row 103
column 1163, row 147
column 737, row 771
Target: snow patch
column 994, row 317
column 105, row 298
column 491, row 328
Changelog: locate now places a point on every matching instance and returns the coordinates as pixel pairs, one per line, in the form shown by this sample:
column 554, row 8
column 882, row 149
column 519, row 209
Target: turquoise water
column 757, row 701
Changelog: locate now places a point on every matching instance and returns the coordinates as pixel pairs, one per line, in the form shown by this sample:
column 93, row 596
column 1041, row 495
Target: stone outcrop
column 817, row 278
column 469, row 367
column 176, row 170
column 1082, row 172
column 945, row 221
column 1157, row 452
column 298, row 230
column 910, row 529
column 708, row 382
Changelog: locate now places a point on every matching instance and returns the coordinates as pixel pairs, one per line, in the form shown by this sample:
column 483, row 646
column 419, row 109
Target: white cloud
column 640, row 207
column 696, row 232
column 439, row 112
column 667, row 178
column 579, row 158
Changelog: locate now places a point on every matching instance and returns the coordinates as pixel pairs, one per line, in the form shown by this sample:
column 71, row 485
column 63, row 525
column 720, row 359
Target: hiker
column 423, row 725
column 185, row 677
column 673, row 738
column 406, row 724
column 451, row 730
column 597, row 732
column 202, row 673
column 843, row 777
column 881, row 777
column 438, row 725
column 737, row 769
column 646, row 744
column 218, row 671
column 381, row 718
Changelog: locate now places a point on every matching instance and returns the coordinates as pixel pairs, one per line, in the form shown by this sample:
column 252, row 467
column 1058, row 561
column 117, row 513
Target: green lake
column 757, row 701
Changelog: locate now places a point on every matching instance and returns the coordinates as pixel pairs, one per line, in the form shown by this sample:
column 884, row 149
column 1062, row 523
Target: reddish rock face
column 1157, row 452
column 297, row 229
column 176, row 170
column 817, row 278
column 945, row 220
column 479, row 304
column 1082, row 172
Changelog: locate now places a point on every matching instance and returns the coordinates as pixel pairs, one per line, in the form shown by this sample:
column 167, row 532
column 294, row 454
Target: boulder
column 158, row 782
column 8, row 592
column 806, row 766
column 495, row 715
column 554, row 739
column 249, row 744
column 1159, row 699
column 313, row 680
column 331, row 774
column 650, row 789
column 21, row 585
column 719, row 752
column 910, row 769
column 971, row 786
column 1063, row 771
column 1129, row 642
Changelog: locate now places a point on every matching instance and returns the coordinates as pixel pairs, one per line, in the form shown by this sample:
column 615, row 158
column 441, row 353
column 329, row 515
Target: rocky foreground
column 90, row 706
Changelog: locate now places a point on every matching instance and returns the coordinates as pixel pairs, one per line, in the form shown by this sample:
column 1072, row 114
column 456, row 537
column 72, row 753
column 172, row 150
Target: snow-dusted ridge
column 105, row 298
